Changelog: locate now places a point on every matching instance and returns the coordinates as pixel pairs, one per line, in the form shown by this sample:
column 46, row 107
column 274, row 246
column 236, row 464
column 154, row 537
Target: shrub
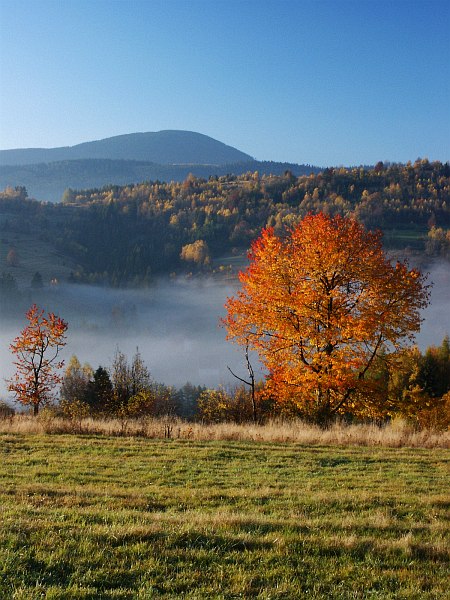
column 6, row 410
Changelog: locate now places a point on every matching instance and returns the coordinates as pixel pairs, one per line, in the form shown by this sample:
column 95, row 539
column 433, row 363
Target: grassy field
column 109, row 517
column 413, row 237
column 34, row 254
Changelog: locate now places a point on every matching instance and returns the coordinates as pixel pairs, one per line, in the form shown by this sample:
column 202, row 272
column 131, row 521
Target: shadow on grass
column 193, row 540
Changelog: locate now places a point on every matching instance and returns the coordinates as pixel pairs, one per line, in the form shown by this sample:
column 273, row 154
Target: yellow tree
column 197, row 252
column 319, row 306
column 37, row 358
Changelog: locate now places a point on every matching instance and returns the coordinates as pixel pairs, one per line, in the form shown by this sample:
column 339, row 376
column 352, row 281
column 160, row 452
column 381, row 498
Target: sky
column 319, row 82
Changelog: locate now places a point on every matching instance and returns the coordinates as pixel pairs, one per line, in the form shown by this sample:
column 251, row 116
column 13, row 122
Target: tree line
column 416, row 388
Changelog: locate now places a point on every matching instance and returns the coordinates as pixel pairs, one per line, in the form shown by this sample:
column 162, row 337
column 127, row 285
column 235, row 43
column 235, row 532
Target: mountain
column 163, row 147
column 164, row 155
column 48, row 181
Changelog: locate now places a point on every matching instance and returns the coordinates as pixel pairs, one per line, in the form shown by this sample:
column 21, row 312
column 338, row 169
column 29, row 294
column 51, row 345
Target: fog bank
column 175, row 325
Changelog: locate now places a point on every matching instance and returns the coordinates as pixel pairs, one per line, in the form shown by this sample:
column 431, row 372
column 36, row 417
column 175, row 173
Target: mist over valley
column 175, row 323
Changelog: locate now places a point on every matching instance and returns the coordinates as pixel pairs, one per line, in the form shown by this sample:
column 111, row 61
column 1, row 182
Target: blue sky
column 325, row 83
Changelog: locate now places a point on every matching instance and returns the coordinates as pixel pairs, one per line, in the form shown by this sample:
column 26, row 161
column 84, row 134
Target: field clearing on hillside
column 120, row 517
column 34, row 254
column 413, row 238
column 36, row 251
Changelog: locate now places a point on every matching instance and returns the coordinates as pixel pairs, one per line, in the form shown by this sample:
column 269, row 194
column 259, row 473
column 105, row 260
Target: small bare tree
column 250, row 383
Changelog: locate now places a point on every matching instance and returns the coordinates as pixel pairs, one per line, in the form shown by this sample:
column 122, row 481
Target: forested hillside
column 126, row 235
column 48, row 181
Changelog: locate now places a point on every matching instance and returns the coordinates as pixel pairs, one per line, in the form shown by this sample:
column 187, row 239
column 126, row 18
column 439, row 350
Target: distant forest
column 47, row 181
column 126, row 235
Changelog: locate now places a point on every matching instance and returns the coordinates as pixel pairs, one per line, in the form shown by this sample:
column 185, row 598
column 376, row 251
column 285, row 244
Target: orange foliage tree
column 37, row 358
column 320, row 306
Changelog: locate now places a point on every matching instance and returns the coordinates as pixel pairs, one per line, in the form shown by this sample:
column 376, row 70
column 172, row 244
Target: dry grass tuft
column 396, row 434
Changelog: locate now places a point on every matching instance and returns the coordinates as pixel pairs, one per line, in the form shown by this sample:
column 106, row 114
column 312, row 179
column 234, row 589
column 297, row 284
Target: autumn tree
column 76, row 380
column 37, row 351
column 215, row 406
column 129, row 380
column 419, row 386
column 197, row 252
column 120, row 378
column 319, row 306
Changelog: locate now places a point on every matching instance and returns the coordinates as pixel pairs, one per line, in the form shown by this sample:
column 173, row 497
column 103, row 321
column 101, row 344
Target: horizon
column 319, row 83
column 200, row 133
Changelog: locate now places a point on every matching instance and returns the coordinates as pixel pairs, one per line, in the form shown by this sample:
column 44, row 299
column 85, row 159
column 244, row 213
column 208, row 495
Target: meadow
column 107, row 516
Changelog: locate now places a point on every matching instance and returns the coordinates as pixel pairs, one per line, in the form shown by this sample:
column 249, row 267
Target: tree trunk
column 324, row 415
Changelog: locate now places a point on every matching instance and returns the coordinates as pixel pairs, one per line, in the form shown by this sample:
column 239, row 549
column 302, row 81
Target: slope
column 164, row 147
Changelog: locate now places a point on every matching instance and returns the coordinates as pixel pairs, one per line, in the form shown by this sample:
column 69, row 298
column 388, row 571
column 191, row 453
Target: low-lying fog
column 175, row 325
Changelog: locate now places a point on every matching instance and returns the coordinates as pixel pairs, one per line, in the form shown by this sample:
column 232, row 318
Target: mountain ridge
column 167, row 155
column 168, row 146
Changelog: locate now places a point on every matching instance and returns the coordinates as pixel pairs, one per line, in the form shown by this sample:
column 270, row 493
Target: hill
column 48, row 181
column 128, row 235
column 163, row 147
column 126, row 159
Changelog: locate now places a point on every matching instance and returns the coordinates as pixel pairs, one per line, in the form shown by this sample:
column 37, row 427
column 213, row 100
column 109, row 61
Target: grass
column 34, row 254
column 396, row 434
column 413, row 237
column 126, row 517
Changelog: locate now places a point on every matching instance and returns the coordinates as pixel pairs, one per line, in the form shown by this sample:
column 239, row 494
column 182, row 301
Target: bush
column 6, row 410
column 219, row 405
column 434, row 415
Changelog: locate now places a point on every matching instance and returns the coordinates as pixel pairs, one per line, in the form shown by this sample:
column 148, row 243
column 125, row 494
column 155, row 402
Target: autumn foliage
column 320, row 307
column 36, row 350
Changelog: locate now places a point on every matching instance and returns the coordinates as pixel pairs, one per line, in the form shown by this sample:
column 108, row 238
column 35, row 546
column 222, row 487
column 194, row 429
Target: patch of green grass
column 97, row 517
column 400, row 238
